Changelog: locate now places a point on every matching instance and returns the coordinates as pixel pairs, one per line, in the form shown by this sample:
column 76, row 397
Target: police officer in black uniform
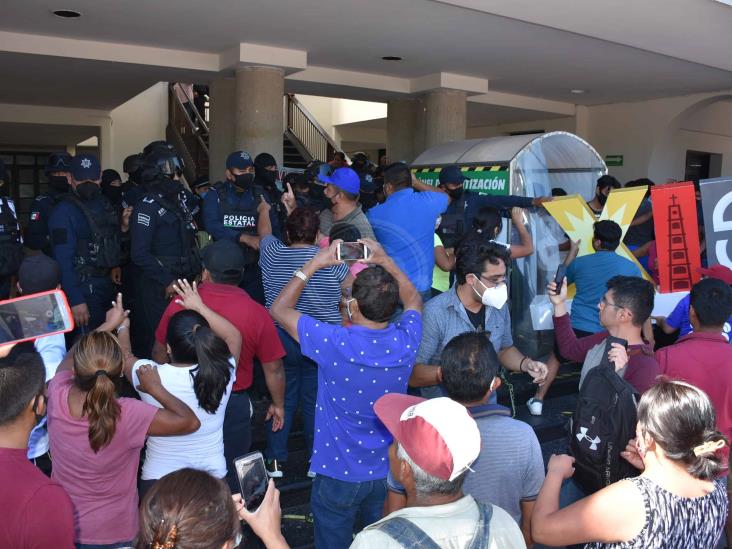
column 132, row 189
column 266, row 176
column 163, row 246
column 58, row 173
column 231, row 211
column 11, row 247
column 86, row 242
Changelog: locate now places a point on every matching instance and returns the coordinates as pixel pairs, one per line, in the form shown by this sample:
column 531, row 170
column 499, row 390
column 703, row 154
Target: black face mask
column 58, row 183
column 455, row 194
column 243, row 181
column 169, row 186
column 602, row 198
column 114, row 194
column 87, row 190
column 269, row 177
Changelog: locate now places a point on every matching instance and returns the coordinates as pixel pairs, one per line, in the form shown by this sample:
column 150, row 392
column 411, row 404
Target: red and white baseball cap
column 438, row 434
column 720, row 272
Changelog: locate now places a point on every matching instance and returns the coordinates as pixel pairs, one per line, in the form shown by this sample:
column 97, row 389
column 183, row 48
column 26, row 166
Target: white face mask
column 495, row 297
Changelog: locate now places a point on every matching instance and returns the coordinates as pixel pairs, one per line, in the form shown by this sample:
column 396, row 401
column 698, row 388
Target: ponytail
column 97, row 362
column 704, row 461
column 213, row 372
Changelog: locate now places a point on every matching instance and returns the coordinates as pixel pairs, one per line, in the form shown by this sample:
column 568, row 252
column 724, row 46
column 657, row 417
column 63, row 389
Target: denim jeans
column 237, row 434
column 301, row 387
column 339, row 506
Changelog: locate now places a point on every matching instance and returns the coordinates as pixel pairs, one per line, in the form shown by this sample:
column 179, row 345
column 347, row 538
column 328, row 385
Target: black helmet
column 360, row 162
column 132, row 163
column 155, row 146
column 58, row 162
column 165, row 162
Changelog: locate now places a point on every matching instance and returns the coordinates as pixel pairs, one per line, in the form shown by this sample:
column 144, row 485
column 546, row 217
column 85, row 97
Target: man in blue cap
column 342, row 189
column 231, row 210
column 58, row 173
column 458, row 218
column 85, row 240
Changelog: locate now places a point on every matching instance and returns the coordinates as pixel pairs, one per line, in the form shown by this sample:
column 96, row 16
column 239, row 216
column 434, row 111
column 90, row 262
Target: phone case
column 63, row 303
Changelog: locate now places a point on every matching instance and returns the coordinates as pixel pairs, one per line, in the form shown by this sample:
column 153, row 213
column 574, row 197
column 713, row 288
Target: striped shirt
column 322, row 294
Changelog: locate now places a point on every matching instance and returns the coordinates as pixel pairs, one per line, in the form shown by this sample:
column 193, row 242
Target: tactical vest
column 188, row 263
column 96, row 255
column 10, row 245
column 236, row 217
column 452, row 226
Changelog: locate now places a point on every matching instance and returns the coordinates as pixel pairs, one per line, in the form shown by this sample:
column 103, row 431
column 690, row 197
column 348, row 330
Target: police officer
column 132, row 189
column 231, row 211
column 266, row 176
column 85, row 240
column 58, row 173
column 163, row 246
column 458, row 218
column 11, row 252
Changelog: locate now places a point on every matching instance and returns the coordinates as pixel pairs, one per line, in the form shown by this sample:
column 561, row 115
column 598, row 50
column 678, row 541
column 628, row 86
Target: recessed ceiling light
column 67, row 14
column 577, row 91
column 391, row 58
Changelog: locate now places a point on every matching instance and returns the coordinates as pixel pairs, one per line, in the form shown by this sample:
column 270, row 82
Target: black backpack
column 602, row 425
column 11, row 249
column 104, row 249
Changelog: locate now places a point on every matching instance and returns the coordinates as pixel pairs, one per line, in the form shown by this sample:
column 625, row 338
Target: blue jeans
column 237, row 434
column 338, row 506
column 301, row 387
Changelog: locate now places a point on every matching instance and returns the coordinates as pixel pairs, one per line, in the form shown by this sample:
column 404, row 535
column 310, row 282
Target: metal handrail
column 176, row 101
column 307, row 131
column 201, row 120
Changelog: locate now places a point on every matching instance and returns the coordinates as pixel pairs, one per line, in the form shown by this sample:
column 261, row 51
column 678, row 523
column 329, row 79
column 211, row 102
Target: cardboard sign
column 717, row 208
column 677, row 236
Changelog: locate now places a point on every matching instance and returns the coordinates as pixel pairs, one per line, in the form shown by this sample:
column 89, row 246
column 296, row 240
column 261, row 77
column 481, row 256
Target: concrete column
column 582, row 122
column 259, row 113
column 401, row 122
column 221, row 125
column 444, row 117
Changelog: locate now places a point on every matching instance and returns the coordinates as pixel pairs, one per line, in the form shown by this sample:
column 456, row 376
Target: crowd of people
column 184, row 294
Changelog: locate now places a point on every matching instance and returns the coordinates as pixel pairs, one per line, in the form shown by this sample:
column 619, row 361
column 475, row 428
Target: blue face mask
column 203, row 194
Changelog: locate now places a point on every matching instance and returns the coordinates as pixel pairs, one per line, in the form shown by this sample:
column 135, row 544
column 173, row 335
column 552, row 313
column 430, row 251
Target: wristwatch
column 301, row 275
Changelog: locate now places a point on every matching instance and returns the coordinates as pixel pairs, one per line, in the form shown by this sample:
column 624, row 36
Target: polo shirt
column 259, row 337
column 405, row 225
column 356, row 218
column 356, row 366
column 590, row 273
column 679, row 319
column 704, row 360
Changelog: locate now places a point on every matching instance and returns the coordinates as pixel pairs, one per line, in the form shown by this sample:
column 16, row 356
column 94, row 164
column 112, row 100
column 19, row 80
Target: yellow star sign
column 576, row 219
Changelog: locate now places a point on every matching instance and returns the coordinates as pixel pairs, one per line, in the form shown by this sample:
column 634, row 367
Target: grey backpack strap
column 483, row 528
column 406, row 533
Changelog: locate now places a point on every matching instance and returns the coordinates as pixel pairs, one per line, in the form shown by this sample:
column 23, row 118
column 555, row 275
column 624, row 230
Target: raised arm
column 175, row 418
column 526, row 246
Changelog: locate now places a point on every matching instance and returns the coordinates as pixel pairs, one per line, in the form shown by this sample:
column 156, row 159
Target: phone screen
column 351, row 251
column 252, row 479
column 33, row 316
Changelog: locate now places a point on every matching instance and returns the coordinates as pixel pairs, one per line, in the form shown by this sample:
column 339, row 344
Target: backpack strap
column 406, row 533
column 93, row 227
column 483, row 528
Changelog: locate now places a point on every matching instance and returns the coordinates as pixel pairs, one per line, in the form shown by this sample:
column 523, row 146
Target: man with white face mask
column 478, row 302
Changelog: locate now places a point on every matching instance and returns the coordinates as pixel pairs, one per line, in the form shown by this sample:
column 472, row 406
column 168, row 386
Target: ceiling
column 539, row 51
column 44, row 135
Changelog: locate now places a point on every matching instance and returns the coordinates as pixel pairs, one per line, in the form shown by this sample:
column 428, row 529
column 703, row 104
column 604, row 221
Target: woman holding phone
column 96, row 437
column 201, row 346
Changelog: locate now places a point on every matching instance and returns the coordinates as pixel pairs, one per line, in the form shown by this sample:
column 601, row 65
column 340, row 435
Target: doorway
column 702, row 165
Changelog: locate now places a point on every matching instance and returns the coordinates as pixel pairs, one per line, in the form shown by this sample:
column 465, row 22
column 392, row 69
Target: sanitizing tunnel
column 523, row 165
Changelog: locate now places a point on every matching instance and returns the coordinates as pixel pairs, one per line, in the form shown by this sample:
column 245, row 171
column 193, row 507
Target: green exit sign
column 614, row 160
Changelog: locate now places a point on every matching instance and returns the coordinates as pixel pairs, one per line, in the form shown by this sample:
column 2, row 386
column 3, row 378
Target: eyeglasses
column 606, row 302
column 493, row 280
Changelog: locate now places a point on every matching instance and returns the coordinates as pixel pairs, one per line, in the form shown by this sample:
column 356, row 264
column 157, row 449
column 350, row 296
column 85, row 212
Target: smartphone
column 609, row 345
column 33, row 316
column 252, row 479
column 352, row 251
column 559, row 277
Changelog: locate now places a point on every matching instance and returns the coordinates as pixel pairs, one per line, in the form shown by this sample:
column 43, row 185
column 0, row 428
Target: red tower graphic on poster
column 678, row 258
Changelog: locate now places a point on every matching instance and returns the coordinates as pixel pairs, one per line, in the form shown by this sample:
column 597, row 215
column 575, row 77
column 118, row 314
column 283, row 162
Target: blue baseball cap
column 345, row 179
column 452, row 174
column 239, row 160
column 86, row 167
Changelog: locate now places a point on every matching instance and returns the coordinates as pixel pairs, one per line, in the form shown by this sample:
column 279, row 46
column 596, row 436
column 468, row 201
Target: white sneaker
column 535, row 406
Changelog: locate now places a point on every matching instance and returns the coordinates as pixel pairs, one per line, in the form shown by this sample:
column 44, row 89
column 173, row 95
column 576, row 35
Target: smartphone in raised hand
column 32, row 316
column 252, row 475
column 559, row 277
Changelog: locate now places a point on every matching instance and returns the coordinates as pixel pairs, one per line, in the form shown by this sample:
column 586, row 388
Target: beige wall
column 555, row 124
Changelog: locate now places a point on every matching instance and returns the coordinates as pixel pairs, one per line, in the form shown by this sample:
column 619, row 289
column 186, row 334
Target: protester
column 605, row 184
column 201, row 370
column 223, row 263
column 679, row 320
column 641, row 231
column 408, row 239
column 488, row 223
column 625, row 307
column 40, row 273
column 320, row 299
column 676, row 502
column 96, row 437
column 356, row 365
column 342, row 189
column 338, row 161
column 438, row 514
column 188, row 508
column 36, row 511
column 444, row 265
column 477, row 303
column 509, row 471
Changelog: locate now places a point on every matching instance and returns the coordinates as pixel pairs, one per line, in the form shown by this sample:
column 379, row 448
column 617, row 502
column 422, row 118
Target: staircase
column 303, row 140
